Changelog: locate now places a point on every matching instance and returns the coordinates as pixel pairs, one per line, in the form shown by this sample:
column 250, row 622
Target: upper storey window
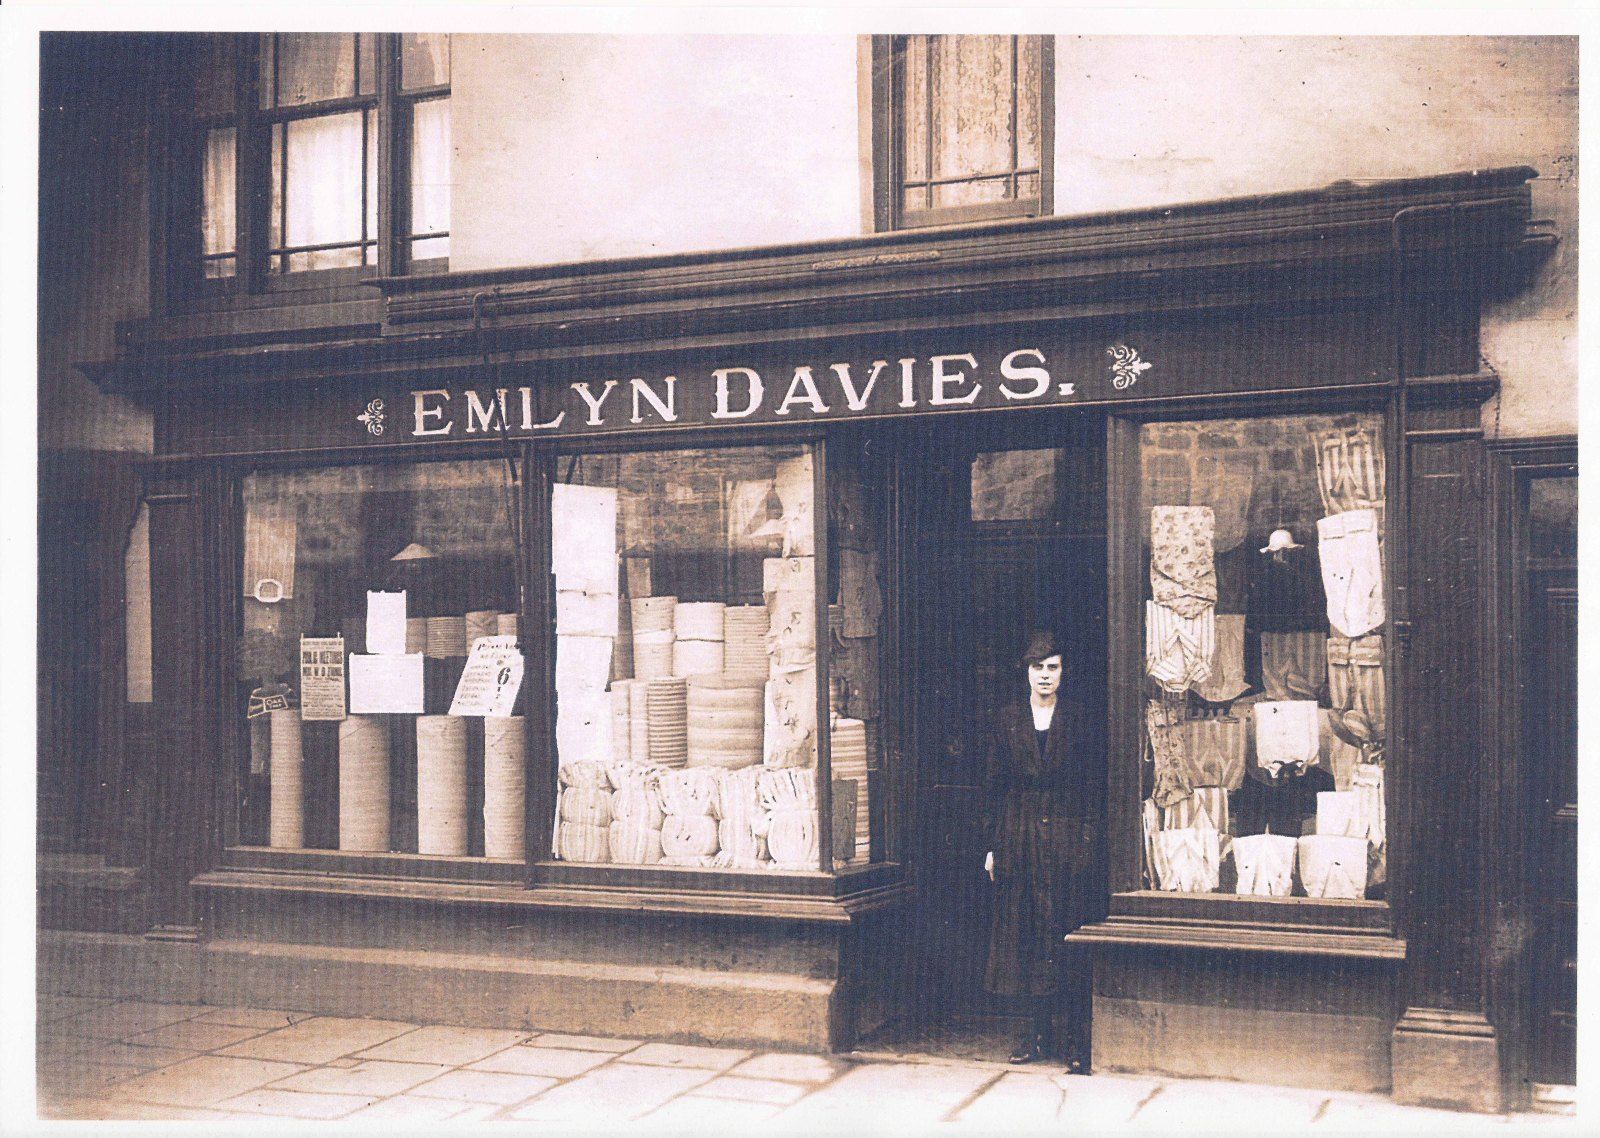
column 964, row 129
column 317, row 158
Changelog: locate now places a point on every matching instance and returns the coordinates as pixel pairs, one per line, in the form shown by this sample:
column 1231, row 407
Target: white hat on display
column 1280, row 540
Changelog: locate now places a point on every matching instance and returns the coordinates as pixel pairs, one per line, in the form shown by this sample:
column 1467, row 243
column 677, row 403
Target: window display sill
column 1260, row 925
column 670, row 896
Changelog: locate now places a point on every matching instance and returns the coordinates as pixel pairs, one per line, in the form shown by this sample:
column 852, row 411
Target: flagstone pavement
column 108, row 1059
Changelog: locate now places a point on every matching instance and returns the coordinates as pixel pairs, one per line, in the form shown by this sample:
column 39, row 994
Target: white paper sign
column 386, row 685
column 491, row 679
column 386, row 623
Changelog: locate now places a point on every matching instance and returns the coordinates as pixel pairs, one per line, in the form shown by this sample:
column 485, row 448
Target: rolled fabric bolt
column 689, row 835
column 447, row 637
column 652, row 654
column 638, row 722
column 286, row 824
column 654, row 614
column 699, row 620
column 416, row 635
column 634, row 843
column 442, row 785
column 696, row 657
column 590, row 805
column 580, row 842
column 364, row 783
column 506, row 624
column 504, row 787
column 482, row 622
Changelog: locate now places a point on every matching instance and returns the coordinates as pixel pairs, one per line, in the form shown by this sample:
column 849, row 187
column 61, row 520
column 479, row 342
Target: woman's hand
column 988, row 864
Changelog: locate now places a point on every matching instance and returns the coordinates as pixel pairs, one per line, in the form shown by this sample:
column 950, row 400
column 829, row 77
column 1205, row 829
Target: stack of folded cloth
column 725, row 721
column 668, row 710
column 849, row 743
column 698, row 649
column 585, row 812
column 1265, row 864
column 654, row 623
column 636, row 814
column 689, row 800
column 789, row 797
column 1192, row 859
column 744, row 648
column 739, row 807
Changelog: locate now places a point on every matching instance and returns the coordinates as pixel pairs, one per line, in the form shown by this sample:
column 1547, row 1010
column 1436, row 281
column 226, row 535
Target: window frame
column 1125, row 533
column 252, row 284
column 888, row 212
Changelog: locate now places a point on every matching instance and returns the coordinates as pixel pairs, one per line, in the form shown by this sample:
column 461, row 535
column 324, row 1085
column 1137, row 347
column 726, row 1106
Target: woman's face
column 1044, row 678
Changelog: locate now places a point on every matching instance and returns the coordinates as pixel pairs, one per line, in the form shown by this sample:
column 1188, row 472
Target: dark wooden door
column 1550, row 734
column 1007, row 536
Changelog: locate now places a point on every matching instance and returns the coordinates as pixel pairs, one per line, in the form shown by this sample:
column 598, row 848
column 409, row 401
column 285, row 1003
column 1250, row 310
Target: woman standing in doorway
column 1044, row 795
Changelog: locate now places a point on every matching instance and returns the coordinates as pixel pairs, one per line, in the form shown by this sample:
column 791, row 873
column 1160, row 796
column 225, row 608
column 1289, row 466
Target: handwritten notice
column 322, row 677
column 491, row 679
column 386, row 685
column 386, row 623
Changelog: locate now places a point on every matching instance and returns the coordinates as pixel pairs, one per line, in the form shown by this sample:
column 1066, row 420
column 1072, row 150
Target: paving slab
column 788, row 1066
column 204, row 1081
column 414, row 1109
column 1383, row 1116
column 681, row 1055
column 752, row 1090
column 319, row 1039
column 1181, row 1104
column 609, row 1095
column 585, row 1042
column 136, row 1055
column 367, row 1077
column 267, row 1019
column 116, row 1111
column 52, row 1008
column 692, row 1114
column 191, row 1035
column 556, row 1062
column 296, row 1104
column 895, row 1095
column 452, row 1046
column 130, row 1017
column 1016, row 1100
column 1096, row 1102
column 82, row 1079
column 484, row 1086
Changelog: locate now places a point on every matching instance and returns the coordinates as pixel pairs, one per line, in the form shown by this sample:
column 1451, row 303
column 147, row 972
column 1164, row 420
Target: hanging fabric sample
column 1338, row 750
column 1215, row 751
column 1355, row 684
column 1206, row 808
column 1178, row 650
column 795, row 488
column 1155, row 860
column 1163, row 726
column 1183, row 573
column 1350, row 469
column 1352, row 571
column 1226, row 678
column 1286, row 734
column 1333, row 866
column 1265, row 864
column 1294, row 665
column 790, row 736
column 1194, row 860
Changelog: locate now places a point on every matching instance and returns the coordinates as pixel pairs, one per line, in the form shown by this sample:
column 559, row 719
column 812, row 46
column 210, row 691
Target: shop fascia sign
column 746, row 392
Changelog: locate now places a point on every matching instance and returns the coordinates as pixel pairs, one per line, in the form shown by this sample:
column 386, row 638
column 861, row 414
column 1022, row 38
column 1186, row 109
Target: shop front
column 614, row 647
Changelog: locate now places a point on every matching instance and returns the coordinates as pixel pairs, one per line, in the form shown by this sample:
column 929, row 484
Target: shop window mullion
column 537, row 633
column 819, row 521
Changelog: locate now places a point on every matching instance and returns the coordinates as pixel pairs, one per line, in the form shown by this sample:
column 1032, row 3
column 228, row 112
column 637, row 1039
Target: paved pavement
column 107, row 1059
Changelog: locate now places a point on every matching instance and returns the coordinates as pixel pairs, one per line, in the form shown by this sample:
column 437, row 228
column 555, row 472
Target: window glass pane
column 1028, row 187
column 1264, row 712
column 972, row 92
column 413, row 779
column 367, row 75
column 914, row 109
column 686, row 664
column 430, row 248
column 430, row 167
column 319, row 195
column 136, row 598
column 1015, row 485
column 972, row 193
column 1029, row 50
column 1553, row 516
column 216, row 78
column 369, row 125
column 424, row 60
column 218, row 177
column 856, row 512
column 314, row 66
column 915, row 199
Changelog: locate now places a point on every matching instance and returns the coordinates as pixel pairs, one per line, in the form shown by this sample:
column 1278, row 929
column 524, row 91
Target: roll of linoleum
column 696, row 657
column 506, row 624
column 669, row 726
column 652, row 654
column 638, row 722
column 504, row 787
column 447, row 637
column 416, row 634
column 442, row 785
column 481, row 622
column 698, row 620
column 287, row 823
column 364, row 784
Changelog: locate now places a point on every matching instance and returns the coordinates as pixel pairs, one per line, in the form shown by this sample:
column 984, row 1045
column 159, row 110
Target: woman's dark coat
column 1043, row 822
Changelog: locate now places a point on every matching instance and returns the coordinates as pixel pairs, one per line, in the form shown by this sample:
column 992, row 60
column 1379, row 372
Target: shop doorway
column 1005, row 528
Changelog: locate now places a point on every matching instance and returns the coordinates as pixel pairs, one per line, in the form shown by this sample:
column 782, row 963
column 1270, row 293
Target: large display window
column 364, row 591
column 1263, row 702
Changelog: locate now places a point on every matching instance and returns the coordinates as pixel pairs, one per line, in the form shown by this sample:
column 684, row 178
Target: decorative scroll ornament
column 1125, row 366
column 373, row 416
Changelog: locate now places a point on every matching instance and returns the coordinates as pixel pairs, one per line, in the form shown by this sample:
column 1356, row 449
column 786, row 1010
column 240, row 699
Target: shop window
column 295, row 185
column 1264, row 634
column 963, row 128
column 356, row 740
column 686, row 661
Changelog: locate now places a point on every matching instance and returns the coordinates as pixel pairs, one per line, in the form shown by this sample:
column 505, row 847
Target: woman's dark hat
column 1041, row 646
